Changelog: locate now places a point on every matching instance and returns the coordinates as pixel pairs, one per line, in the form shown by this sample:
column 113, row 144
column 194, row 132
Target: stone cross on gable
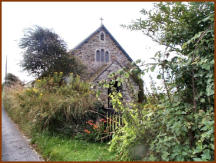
column 101, row 19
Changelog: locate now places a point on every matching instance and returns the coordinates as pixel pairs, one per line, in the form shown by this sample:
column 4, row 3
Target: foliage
column 50, row 106
column 13, row 109
column 56, row 107
column 177, row 124
column 11, row 80
column 186, row 29
column 163, row 132
column 174, row 23
column 61, row 105
column 45, row 53
column 136, row 76
column 103, row 129
column 96, row 132
column 55, row 147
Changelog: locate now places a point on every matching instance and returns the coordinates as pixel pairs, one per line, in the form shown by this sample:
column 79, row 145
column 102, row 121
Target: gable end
column 102, row 27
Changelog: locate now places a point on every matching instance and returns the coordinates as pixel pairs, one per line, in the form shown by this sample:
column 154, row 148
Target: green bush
column 168, row 132
column 159, row 132
column 95, row 131
column 54, row 105
column 181, row 128
column 163, row 130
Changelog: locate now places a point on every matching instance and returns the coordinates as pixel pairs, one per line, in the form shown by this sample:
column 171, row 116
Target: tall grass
column 14, row 108
column 52, row 104
column 53, row 113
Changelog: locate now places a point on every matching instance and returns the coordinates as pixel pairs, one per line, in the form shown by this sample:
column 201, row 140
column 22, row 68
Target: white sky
column 73, row 22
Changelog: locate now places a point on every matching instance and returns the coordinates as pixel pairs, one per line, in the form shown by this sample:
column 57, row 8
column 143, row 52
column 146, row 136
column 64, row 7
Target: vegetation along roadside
column 67, row 120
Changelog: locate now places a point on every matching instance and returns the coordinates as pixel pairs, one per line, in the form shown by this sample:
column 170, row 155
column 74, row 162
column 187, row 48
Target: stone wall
column 129, row 87
column 87, row 52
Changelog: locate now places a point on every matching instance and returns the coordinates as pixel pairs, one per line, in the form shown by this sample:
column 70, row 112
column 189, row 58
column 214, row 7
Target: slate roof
column 102, row 27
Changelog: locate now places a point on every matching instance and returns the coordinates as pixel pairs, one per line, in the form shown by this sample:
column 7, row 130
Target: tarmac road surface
column 15, row 147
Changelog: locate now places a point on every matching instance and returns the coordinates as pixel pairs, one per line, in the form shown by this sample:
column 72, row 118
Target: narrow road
column 15, row 146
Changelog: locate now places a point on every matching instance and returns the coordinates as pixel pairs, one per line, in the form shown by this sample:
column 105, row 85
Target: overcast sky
column 73, row 22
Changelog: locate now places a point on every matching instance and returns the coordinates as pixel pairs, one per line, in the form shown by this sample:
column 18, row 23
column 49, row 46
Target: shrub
column 103, row 129
column 11, row 80
column 54, row 105
column 162, row 130
column 168, row 132
column 95, row 131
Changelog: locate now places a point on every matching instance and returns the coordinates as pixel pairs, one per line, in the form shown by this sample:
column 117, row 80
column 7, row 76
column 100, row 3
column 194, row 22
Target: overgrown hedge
column 52, row 104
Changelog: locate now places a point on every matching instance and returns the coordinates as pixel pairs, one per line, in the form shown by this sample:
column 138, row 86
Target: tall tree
column 174, row 23
column 45, row 52
column 185, row 29
column 183, row 129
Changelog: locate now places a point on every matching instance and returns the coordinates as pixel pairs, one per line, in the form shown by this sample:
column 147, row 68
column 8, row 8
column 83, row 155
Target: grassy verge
column 58, row 148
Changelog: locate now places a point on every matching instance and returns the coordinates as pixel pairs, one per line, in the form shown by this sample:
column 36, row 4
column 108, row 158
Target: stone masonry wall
column 87, row 53
column 129, row 88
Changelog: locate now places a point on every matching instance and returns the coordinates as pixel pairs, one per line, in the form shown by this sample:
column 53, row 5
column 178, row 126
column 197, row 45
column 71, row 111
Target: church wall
column 87, row 53
column 129, row 88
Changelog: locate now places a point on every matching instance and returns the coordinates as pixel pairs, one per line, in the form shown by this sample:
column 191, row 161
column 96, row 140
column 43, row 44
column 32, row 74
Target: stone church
column 102, row 55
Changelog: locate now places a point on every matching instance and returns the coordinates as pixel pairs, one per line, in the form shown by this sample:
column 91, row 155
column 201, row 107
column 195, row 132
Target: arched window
column 98, row 55
column 107, row 56
column 102, row 55
column 102, row 36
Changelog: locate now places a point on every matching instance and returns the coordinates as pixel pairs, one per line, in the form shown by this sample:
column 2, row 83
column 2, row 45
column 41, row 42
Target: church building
column 102, row 55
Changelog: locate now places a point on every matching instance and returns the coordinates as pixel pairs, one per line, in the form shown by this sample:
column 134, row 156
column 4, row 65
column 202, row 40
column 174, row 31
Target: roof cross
column 101, row 19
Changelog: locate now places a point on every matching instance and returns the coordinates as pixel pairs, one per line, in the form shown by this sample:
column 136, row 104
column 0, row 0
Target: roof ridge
column 119, row 46
column 85, row 40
